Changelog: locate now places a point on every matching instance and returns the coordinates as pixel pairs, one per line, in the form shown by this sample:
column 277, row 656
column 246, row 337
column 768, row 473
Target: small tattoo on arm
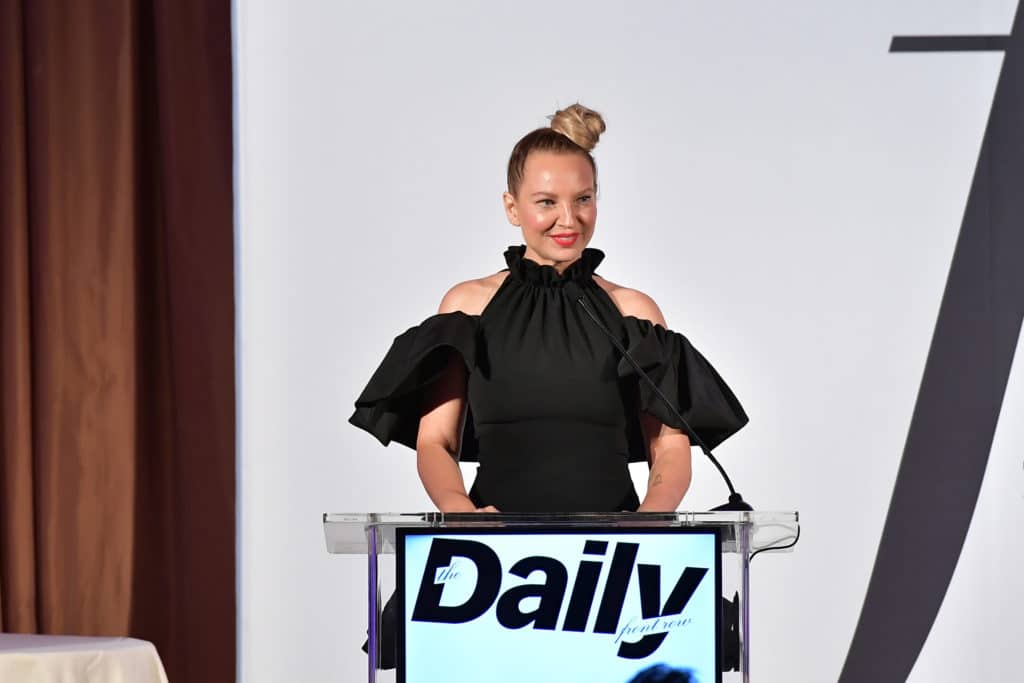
column 656, row 481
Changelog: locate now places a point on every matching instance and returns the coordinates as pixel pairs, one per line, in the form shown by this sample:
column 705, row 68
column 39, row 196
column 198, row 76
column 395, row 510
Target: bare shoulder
column 632, row 302
column 472, row 296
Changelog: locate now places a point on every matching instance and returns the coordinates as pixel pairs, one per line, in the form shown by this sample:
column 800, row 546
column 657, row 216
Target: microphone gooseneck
column 736, row 502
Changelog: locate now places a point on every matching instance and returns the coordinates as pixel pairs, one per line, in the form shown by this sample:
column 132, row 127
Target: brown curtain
column 117, row 469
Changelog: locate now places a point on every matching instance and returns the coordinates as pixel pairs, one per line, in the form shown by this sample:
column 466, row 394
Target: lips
column 565, row 240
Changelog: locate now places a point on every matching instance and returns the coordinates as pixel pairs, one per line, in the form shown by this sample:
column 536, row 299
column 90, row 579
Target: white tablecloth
column 72, row 659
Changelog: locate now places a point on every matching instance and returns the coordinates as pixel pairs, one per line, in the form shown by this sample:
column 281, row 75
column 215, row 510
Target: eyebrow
column 589, row 190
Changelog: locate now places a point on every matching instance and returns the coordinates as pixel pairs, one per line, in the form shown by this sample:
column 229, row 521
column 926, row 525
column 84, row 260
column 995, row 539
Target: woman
column 512, row 371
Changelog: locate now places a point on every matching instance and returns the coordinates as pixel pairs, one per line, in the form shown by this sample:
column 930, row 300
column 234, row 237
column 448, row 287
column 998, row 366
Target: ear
column 511, row 211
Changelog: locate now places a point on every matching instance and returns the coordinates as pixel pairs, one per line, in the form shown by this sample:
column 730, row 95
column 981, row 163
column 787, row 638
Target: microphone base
column 735, row 504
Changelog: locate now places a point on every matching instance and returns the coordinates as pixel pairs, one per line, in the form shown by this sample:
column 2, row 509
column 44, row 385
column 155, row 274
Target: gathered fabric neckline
column 529, row 271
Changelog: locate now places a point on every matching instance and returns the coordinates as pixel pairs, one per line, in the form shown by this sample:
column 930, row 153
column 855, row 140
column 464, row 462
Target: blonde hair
column 573, row 130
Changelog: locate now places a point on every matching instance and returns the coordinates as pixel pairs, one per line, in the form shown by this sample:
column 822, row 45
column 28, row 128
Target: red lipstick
column 565, row 239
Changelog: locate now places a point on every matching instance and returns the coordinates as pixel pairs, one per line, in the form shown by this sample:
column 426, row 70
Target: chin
column 560, row 253
column 569, row 253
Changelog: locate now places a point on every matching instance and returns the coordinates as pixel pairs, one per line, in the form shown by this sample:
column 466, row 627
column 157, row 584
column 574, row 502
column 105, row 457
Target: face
column 555, row 206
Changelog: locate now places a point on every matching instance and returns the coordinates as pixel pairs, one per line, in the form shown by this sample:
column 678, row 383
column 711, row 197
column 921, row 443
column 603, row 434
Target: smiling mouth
column 566, row 239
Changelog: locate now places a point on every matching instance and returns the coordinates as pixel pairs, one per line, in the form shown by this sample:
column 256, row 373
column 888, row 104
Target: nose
column 566, row 217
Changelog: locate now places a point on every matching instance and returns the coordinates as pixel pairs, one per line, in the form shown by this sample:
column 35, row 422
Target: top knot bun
column 581, row 125
column 573, row 130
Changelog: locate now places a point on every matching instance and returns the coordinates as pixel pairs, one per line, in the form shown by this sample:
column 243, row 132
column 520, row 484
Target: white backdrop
column 787, row 190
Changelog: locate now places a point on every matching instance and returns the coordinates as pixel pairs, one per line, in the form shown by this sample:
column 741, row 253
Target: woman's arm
column 437, row 443
column 444, row 414
column 668, row 448
column 669, row 459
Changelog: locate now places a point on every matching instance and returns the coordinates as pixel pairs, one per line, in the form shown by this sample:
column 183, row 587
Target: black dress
column 553, row 415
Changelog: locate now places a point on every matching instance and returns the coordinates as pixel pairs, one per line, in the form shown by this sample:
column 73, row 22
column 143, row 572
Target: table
column 74, row 659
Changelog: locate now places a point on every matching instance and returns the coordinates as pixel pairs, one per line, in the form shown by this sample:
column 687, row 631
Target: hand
column 651, row 508
column 457, row 503
column 462, row 503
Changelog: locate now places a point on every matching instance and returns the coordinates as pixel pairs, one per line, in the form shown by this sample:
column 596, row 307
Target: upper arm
column 658, row 437
column 443, row 414
column 472, row 296
column 632, row 302
column 637, row 304
column 458, row 298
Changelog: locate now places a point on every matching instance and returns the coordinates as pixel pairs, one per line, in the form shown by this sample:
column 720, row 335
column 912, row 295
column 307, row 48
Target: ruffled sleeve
column 685, row 377
column 390, row 405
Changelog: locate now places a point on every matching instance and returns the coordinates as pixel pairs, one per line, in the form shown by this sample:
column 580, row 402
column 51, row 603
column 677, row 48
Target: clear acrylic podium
column 743, row 534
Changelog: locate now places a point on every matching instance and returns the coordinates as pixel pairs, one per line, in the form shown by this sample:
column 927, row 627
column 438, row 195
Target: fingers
column 489, row 508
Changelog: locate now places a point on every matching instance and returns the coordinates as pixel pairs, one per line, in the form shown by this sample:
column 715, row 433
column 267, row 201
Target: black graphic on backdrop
column 962, row 389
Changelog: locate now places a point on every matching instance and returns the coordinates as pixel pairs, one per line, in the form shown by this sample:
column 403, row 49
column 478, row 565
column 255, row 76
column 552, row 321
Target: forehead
column 557, row 171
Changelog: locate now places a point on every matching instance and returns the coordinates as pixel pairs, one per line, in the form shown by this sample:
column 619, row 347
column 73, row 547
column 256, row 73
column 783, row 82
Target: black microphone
column 736, row 502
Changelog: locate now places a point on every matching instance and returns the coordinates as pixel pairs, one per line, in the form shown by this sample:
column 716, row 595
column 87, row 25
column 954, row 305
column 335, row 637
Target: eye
column 585, row 199
column 546, row 202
